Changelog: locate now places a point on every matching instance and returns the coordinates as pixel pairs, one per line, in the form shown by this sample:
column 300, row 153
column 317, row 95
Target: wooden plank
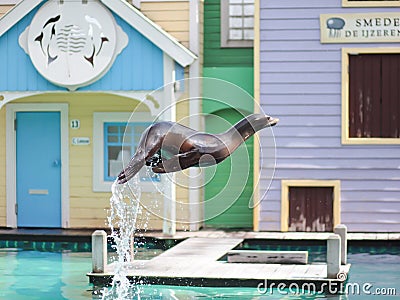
column 207, row 249
column 299, row 271
column 316, row 271
column 268, row 257
column 283, row 272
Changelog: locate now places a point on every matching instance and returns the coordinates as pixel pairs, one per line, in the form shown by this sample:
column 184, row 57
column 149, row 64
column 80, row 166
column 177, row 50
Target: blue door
column 38, row 157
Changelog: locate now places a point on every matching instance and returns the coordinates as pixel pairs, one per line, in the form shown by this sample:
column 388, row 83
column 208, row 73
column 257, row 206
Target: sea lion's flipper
column 178, row 162
column 154, row 160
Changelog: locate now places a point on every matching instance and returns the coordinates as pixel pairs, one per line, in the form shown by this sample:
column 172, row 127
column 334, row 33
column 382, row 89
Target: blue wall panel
column 180, row 75
column 138, row 67
column 17, row 72
column 179, row 72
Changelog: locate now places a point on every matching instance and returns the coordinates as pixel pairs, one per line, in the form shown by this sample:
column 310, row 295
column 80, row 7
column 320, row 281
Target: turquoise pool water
column 27, row 274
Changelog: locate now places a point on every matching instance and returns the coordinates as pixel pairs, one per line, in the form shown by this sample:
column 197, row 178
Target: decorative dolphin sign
column 73, row 44
column 171, row 147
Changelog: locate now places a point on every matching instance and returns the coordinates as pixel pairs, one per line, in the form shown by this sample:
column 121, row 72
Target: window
column 371, row 3
column 120, row 143
column 371, row 108
column 114, row 143
column 237, row 23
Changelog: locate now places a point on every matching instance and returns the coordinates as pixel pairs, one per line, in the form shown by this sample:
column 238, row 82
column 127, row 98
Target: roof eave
column 19, row 11
column 151, row 31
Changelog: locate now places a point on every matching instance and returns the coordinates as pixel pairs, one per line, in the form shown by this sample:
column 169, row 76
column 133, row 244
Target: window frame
column 224, row 29
column 361, row 3
column 285, row 184
column 99, row 119
column 345, row 138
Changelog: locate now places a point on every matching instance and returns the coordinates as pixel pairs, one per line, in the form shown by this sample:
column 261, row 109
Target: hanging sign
column 80, row 141
column 360, row 28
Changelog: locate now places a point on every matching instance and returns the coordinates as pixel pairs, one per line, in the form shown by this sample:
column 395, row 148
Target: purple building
column 330, row 70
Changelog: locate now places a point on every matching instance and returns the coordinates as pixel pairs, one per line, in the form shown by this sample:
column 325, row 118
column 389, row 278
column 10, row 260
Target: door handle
column 38, row 192
column 56, row 163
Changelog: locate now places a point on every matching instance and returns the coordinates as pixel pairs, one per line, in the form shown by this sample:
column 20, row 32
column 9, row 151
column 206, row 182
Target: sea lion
column 170, row 147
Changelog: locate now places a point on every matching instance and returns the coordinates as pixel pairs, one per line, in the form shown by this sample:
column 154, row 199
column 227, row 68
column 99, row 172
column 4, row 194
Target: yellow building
column 73, row 74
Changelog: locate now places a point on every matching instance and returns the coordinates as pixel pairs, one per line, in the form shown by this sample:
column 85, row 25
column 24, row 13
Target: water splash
column 124, row 208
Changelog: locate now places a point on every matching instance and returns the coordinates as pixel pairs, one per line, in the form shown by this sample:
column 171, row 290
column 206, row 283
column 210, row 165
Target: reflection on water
column 44, row 275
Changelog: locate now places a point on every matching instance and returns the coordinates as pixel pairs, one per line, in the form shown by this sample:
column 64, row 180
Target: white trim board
column 150, row 98
column 11, row 193
column 195, row 114
column 169, row 113
column 127, row 12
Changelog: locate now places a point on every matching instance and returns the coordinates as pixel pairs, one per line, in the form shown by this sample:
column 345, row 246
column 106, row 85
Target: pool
column 60, row 274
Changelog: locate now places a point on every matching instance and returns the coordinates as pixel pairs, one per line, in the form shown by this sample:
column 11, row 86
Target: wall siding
column 4, row 9
column 138, row 67
column 214, row 55
column 300, row 82
column 172, row 16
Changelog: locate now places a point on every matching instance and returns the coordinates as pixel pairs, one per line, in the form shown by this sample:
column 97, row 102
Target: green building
column 228, row 55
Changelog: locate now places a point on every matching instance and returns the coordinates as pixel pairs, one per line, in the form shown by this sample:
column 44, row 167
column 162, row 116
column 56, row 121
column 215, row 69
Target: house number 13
column 75, row 124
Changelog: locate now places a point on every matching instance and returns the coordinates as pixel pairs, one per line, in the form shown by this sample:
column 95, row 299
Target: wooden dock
column 197, row 262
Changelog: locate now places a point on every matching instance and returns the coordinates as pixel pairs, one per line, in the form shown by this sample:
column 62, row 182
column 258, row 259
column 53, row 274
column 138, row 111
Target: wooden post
column 99, row 251
column 333, row 256
column 341, row 230
column 169, row 114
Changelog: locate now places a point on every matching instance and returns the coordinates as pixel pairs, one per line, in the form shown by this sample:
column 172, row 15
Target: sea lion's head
column 260, row 121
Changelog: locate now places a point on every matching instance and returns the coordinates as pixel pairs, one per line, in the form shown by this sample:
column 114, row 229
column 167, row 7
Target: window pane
column 113, row 139
column 127, row 129
column 235, row 10
column 113, row 129
column 139, row 129
column 248, row 22
column 235, row 34
column 235, row 22
column 127, row 139
column 248, row 34
column 248, row 10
